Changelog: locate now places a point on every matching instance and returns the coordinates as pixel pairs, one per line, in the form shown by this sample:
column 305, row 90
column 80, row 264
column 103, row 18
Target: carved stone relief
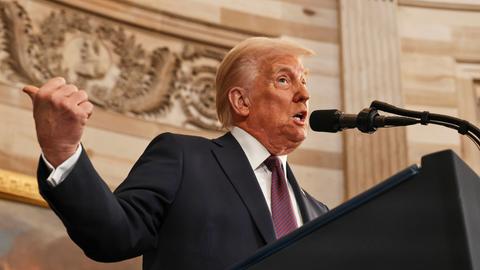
column 167, row 82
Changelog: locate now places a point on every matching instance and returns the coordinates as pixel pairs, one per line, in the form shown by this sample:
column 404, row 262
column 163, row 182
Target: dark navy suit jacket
column 188, row 203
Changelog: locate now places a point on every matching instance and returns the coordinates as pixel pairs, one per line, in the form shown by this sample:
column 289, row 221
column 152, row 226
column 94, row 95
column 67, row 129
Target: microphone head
column 325, row 120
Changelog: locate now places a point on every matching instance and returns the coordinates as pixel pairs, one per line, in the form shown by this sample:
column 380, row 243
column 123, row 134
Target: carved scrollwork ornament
column 108, row 62
column 196, row 81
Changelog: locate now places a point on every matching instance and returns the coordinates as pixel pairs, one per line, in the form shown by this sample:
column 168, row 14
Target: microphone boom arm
column 462, row 126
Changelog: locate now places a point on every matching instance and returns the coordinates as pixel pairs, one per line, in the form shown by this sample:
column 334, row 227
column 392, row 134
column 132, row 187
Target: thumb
column 30, row 90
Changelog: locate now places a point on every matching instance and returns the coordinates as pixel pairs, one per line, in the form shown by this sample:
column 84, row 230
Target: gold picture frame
column 20, row 187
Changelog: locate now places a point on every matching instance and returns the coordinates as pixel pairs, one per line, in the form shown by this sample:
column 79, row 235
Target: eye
column 304, row 82
column 283, row 80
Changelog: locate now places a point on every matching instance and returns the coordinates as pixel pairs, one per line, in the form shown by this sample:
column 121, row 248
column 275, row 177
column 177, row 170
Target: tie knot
column 272, row 163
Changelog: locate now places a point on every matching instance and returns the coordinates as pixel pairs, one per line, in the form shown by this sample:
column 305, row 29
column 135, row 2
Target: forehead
column 287, row 63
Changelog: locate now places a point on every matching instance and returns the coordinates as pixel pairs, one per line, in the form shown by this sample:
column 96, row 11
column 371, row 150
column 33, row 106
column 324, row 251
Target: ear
column 239, row 101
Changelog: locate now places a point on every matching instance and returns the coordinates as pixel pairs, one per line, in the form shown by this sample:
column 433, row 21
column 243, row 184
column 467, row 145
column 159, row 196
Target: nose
column 302, row 94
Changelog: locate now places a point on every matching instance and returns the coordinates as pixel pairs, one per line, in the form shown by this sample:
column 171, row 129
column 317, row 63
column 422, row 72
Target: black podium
column 421, row 218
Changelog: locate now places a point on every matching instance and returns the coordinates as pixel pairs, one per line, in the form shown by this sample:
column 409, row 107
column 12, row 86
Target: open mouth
column 300, row 117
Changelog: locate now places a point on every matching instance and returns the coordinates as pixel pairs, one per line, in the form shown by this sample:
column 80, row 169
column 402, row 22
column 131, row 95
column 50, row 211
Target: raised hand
column 60, row 111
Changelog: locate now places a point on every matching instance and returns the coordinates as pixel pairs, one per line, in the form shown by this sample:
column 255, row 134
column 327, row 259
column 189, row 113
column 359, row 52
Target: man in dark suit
column 188, row 202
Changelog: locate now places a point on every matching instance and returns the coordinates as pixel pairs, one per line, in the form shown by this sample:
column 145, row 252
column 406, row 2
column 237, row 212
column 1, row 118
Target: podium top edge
column 335, row 213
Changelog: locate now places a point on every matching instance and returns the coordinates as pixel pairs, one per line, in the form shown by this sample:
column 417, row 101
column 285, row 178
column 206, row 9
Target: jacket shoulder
column 180, row 138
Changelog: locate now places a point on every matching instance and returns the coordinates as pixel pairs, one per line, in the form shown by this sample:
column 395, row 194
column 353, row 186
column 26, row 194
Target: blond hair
column 240, row 67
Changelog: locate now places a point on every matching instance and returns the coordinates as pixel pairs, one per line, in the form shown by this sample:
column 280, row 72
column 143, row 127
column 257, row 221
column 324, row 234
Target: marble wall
column 440, row 55
column 149, row 68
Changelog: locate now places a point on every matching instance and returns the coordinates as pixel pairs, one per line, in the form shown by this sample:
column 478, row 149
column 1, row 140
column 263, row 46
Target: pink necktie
column 282, row 210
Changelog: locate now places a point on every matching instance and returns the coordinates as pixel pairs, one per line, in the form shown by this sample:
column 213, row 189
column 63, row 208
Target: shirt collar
column 256, row 153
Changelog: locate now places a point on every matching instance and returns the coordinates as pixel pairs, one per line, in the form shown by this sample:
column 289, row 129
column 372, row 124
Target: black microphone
column 367, row 121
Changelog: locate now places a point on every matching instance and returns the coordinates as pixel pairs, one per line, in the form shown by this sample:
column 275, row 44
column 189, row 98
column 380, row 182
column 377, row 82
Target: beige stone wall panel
column 440, row 56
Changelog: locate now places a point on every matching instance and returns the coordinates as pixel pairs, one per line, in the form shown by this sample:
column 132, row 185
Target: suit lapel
column 299, row 196
column 309, row 207
column 235, row 164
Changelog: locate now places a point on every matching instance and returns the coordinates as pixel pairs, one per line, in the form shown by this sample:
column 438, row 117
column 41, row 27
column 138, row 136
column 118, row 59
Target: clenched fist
column 60, row 111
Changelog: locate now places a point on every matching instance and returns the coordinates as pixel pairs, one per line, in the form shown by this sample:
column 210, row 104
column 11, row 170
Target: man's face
column 279, row 107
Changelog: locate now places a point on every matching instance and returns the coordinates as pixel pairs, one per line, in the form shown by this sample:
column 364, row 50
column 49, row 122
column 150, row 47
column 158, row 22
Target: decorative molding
column 157, row 20
column 465, row 5
column 112, row 64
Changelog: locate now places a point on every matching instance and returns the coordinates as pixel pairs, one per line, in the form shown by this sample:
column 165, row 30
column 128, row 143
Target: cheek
column 278, row 119
column 272, row 109
column 275, row 110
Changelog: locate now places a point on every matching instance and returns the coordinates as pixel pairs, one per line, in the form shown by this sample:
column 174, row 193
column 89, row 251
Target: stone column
column 370, row 70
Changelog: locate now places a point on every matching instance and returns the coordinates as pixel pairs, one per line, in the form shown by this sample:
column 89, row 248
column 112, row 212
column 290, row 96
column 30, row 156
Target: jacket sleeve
column 123, row 224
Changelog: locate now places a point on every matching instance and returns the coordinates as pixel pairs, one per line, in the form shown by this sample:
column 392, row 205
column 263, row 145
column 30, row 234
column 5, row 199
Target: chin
column 301, row 139
column 295, row 134
column 298, row 138
column 302, row 134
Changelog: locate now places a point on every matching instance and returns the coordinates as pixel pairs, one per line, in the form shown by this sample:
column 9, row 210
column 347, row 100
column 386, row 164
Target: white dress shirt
column 256, row 154
column 57, row 175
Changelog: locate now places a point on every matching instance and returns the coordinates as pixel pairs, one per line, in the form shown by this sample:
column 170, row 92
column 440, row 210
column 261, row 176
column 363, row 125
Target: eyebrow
column 287, row 68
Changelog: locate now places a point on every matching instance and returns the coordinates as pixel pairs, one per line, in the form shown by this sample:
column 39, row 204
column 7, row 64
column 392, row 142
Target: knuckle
column 54, row 97
column 81, row 117
column 71, row 87
column 83, row 94
column 64, row 104
column 90, row 109
column 87, row 109
column 66, row 89
column 59, row 80
column 54, row 100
